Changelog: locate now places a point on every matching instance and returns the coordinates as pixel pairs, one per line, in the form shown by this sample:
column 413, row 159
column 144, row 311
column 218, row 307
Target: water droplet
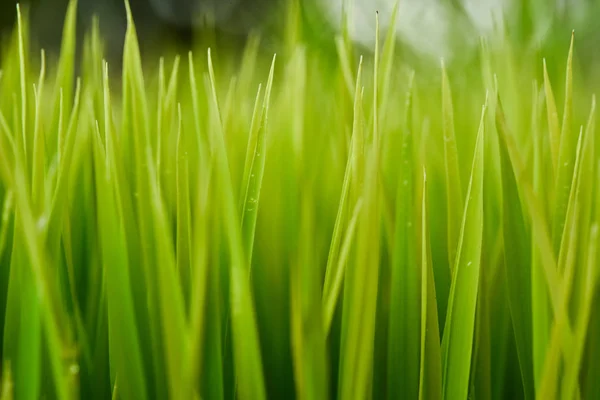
column 42, row 222
column 74, row 369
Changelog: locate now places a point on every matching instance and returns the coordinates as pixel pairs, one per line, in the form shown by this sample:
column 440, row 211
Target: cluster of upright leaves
column 196, row 234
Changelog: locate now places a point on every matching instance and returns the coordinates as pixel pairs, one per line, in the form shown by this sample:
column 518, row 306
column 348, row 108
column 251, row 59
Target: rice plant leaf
column 561, row 333
column 566, row 159
column 169, row 296
column 387, row 59
column 7, row 211
column 403, row 340
column 159, row 117
column 539, row 227
column 573, row 362
column 553, row 122
column 63, row 85
column 8, row 150
column 247, row 356
column 457, row 343
column 376, row 82
column 540, row 302
column 184, row 229
column 308, row 335
column 331, row 272
column 557, row 293
column 360, row 298
column 206, row 359
column 454, row 196
column 33, row 264
column 257, row 154
column 331, row 299
column 58, row 203
column 38, row 191
column 430, row 363
column 346, row 71
column 573, row 222
column 362, row 279
column 517, row 264
column 23, row 71
column 29, row 360
column 123, row 333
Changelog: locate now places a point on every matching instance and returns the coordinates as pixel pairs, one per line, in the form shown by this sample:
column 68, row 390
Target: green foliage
column 223, row 228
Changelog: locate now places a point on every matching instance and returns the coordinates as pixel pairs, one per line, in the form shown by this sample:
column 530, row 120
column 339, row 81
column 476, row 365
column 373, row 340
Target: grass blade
column 517, row 264
column 403, row 341
column 63, row 85
column 308, row 335
column 184, row 230
column 553, row 124
column 540, row 301
column 566, row 159
column 124, row 342
column 573, row 362
column 38, row 191
column 457, row 342
column 430, row 364
column 454, row 197
column 257, row 154
column 248, row 360
column 329, row 295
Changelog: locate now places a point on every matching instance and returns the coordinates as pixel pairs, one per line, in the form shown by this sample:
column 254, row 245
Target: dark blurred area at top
column 427, row 29
column 158, row 22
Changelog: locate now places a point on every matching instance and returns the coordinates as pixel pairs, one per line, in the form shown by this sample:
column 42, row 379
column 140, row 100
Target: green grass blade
column 387, row 60
column 376, row 82
column 454, row 197
column 457, row 343
column 38, row 191
column 257, row 170
column 29, row 360
column 23, row 49
column 7, row 211
column 63, row 85
column 540, row 302
column 553, row 123
column 360, row 298
column 184, row 230
column 330, row 299
column 51, row 309
column 170, row 298
column 308, row 335
column 251, row 148
column 247, row 356
column 123, row 333
column 160, row 118
column 403, row 340
column 362, row 276
column 566, row 159
column 517, row 264
column 430, row 363
column 573, row 362
column 59, row 203
column 334, row 248
column 557, row 293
